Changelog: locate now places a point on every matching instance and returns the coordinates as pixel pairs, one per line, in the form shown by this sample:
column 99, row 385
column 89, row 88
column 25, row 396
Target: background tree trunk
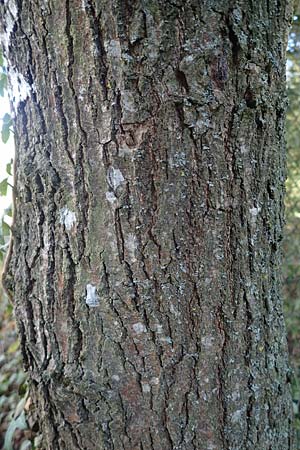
column 148, row 215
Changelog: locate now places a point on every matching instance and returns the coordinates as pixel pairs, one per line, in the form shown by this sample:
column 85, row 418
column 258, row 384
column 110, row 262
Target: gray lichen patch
column 92, row 298
column 110, row 197
column 139, row 328
column 131, row 246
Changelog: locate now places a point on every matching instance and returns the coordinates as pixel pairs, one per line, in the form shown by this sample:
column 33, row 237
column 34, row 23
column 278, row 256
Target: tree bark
column 150, row 170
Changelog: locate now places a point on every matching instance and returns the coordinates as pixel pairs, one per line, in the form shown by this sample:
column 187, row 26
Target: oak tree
column 145, row 261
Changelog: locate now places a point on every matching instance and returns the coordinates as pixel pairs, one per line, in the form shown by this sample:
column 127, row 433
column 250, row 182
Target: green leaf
column 9, row 309
column 5, row 228
column 1, row 59
column 13, row 347
column 7, row 119
column 3, row 245
column 9, row 167
column 3, row 83
column 5, row 133
column 7, row 123
column 3, row 187
column 8, row 211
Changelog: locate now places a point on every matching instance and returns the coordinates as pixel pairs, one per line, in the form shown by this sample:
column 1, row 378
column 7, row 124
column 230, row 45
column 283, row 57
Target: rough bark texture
column 148, row 216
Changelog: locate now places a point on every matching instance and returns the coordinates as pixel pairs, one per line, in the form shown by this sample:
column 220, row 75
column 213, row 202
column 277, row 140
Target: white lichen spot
column 146, row 387
column 127, row 101
column 128, row 151
column 204, row 396
column 114, row 177
column 159, row 328
column 110, row 197
column 207, row 341
column 202, row 125
column 236, row 395
column 20, row 89
column 113, row 48
column 244, row 149
column 188, row 59
column 115, row 378
column 92, row 298
column 183, row 267
column 105, row 128
column 174, row 310
column 67, row 218
column 236, row 417
column 154, row 381
column 254, row 213
column 131, row 246
column 139, row 328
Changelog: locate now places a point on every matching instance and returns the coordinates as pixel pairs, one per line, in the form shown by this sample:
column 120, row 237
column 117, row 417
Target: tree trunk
column 150, row 170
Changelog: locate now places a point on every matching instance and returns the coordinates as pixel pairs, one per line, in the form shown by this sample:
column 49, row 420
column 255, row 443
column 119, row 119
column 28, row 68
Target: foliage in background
column 6, row 130
column 13, row 389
